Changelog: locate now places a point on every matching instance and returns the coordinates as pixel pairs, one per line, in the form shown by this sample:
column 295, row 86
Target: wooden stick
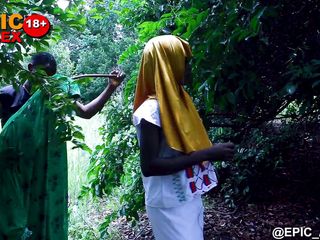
column 93, row 75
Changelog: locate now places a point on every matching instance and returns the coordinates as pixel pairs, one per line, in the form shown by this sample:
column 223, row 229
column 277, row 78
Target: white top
column 172, row 190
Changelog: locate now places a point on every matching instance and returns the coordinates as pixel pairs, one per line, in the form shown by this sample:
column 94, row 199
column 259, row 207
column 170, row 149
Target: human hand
column 221, row 151
column 117, row 79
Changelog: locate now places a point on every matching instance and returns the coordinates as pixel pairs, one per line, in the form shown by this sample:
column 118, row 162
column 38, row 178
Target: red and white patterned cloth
column 176, row 189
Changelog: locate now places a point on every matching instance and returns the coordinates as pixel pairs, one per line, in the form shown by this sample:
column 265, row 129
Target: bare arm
column 89, row 110
column 152, row 165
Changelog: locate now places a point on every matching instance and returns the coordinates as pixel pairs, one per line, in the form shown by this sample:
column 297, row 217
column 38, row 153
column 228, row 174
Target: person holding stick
column 33, row 158
column 11, row 99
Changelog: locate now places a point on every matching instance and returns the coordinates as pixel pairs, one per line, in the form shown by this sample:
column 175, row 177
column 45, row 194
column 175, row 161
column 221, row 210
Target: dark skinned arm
column 152, row 165
column 89, row 110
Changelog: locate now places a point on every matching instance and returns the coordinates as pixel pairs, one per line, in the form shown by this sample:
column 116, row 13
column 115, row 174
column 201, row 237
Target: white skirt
column 178, row 223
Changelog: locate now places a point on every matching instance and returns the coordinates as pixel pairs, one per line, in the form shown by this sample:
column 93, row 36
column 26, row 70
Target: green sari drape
column 33, row 175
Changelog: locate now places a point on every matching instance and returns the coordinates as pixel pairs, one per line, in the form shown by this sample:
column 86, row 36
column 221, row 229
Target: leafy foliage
column 252, row 61
column 255, row 66
column 249, row 70
column 13, row 55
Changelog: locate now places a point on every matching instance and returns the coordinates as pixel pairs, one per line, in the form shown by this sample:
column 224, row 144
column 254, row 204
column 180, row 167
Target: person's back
column 33, row 174
column 33, row 162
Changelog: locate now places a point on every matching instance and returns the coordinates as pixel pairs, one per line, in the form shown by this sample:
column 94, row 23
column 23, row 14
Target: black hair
column 46, row 60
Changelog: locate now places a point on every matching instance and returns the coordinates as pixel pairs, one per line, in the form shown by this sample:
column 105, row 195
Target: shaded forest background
column 256, row 82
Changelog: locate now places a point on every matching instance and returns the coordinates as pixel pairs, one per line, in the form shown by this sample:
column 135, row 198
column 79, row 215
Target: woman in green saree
column 33, row 161
column 33, row 165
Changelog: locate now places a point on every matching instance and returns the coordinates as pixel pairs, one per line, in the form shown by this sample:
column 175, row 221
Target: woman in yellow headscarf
column 174, row 145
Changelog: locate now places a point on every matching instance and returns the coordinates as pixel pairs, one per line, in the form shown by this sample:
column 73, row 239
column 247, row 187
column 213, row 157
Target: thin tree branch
column 93, row 75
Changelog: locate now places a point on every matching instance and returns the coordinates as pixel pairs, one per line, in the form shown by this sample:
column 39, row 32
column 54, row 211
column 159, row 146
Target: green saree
column 33, row 179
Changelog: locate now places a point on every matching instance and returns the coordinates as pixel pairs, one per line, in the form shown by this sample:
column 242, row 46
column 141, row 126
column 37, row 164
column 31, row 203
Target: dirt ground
column 247, row 221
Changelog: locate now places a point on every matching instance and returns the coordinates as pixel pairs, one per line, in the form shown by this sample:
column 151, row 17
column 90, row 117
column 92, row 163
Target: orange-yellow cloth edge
column 161, row 72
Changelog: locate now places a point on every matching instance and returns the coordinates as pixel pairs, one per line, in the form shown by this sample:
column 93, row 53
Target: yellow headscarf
column 161, row 72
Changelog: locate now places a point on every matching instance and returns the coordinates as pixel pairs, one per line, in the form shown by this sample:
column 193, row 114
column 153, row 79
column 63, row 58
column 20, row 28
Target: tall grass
column 85, row 214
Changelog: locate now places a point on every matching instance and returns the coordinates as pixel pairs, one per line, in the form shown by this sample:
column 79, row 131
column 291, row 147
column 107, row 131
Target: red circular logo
column 36, row 25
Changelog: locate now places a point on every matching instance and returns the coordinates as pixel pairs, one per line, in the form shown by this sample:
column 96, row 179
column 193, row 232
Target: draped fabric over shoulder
column 33, row 179
column 161, row 74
